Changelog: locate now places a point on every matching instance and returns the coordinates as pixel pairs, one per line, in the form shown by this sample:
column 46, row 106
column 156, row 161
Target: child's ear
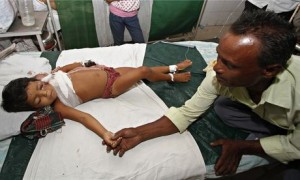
column 272, row 70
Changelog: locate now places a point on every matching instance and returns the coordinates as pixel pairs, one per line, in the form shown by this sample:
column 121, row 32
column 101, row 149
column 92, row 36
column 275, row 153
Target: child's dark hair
column 14, row 96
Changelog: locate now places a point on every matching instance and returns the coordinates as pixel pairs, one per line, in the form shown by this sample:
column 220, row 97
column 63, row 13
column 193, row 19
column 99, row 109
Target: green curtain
column 169, row 17
column 77, row 23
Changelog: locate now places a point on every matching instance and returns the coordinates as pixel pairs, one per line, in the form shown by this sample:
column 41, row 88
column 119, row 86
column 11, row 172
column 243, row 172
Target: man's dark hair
column 14, row 96
column 277, row 36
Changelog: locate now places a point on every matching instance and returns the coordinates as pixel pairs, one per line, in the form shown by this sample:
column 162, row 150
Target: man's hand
column 230, row 157
column 107, row 139
column 232, row 151
column 130, row 138
column 134, row 136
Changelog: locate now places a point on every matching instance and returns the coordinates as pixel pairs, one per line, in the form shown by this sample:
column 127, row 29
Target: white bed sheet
column 74, row 152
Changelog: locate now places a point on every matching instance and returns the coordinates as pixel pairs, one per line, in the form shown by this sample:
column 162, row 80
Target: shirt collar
column 279, row 92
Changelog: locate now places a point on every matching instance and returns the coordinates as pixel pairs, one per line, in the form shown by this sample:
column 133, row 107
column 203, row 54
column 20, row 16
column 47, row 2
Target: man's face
column 237, row 64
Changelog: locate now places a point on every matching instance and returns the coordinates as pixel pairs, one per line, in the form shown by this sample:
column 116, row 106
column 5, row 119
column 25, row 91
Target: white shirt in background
column 278, row 6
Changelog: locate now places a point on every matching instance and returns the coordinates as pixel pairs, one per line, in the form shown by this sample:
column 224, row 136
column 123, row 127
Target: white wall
column 221, row 12
column 216, row 16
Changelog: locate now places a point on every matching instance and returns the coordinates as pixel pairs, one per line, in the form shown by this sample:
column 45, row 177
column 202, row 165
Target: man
column 258, row 81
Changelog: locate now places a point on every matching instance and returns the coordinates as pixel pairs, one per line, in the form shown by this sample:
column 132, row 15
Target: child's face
column 40, row 94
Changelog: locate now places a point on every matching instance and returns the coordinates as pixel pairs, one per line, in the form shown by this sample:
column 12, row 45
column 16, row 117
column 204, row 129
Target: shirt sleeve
column 206, row 93
column 284, row 148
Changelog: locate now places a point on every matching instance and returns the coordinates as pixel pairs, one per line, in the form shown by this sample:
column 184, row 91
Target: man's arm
column 181, row 118
column 134, row 136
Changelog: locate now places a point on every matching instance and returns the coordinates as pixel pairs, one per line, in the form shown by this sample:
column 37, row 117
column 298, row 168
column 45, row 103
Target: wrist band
column 172, row 76
column 83, row 63
column 172, row 68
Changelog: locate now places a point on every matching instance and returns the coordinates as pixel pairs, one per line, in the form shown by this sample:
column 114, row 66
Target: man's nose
column 218, row 67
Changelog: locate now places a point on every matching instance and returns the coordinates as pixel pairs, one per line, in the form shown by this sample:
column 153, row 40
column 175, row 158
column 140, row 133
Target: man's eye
column 229, row 66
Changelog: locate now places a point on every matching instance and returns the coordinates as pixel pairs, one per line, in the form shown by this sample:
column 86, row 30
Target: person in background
column 123, row 13
column 39, row 4
column 253, row 85
column 296, row 23
column 284, row 8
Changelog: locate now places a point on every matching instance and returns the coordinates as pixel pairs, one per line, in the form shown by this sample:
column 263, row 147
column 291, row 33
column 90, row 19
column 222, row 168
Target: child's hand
column 108, row 140
column 89, row 63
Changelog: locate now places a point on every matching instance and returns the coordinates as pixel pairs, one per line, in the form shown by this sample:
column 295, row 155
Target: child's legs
column 130, row 76
column 165, row 69
column 160, row 69
column 134, row 28
column 117, row 28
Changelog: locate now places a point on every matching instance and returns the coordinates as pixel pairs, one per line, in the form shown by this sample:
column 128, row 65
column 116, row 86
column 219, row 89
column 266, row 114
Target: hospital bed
column 73, row 152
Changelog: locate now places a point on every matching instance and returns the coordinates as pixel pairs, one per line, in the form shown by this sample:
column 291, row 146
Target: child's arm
column 85, row 119
column 68, row 67
column 72, row 66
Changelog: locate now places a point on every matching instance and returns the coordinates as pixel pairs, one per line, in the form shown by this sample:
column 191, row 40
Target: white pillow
column 8, row 12
column 12, row 67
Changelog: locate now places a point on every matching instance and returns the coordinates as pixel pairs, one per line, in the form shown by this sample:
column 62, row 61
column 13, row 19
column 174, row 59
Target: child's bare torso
column 89, row 84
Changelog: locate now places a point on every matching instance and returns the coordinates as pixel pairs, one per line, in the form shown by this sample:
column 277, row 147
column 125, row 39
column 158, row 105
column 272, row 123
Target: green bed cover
column 209, row 128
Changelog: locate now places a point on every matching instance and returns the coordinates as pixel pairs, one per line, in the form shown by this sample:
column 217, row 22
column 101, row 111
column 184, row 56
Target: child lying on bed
column 77, row 83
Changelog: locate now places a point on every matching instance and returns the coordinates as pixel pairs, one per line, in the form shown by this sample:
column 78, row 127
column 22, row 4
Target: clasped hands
column 123, row 141
column 226, row 164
